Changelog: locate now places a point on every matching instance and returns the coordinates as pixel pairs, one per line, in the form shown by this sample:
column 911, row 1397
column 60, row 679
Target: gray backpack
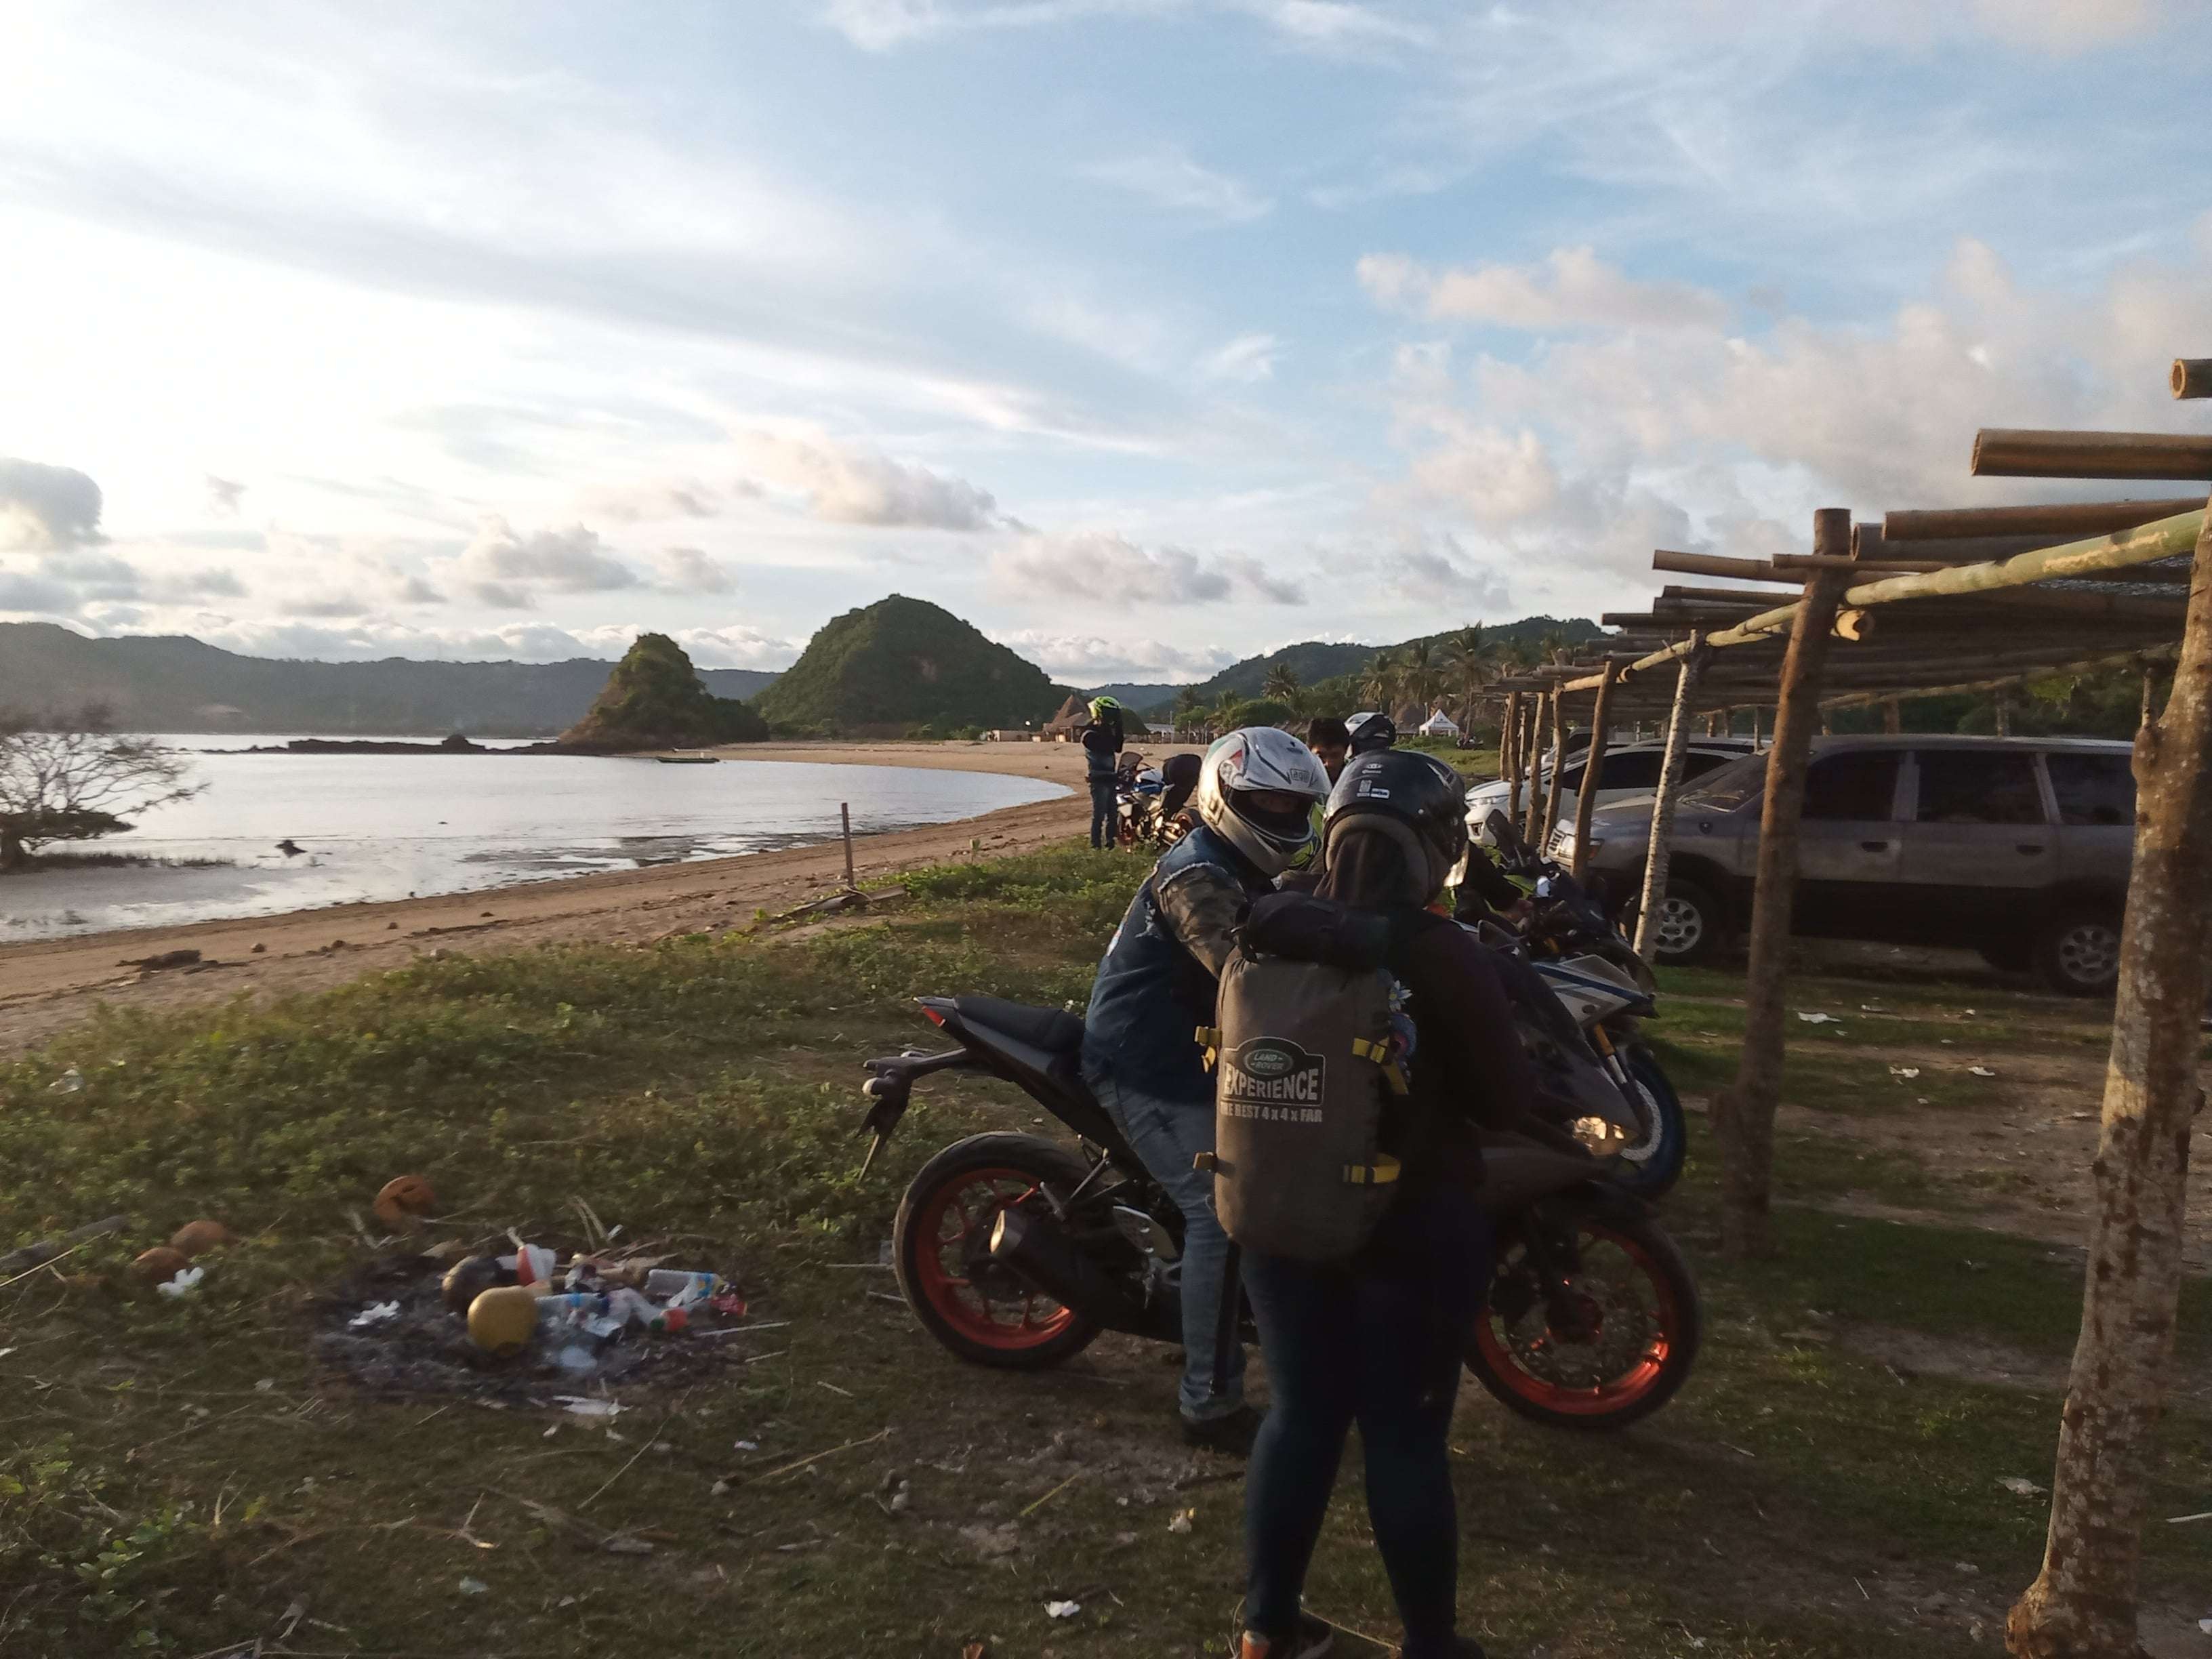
column 1303, row 1065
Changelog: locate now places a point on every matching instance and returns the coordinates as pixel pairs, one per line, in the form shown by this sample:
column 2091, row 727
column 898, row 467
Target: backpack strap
column 1393, row 1073
column 1209, row 1038
column 1382, row 1171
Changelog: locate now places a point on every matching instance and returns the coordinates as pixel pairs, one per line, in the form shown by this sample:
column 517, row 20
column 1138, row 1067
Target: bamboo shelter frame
column 1952, row 599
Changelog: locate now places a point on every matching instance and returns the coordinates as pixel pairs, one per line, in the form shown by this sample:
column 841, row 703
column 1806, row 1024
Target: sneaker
column 1232, row 1434
column 1313, row 1638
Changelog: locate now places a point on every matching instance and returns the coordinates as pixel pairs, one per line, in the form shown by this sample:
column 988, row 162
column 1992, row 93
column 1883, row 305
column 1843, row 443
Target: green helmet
column 1100, row 705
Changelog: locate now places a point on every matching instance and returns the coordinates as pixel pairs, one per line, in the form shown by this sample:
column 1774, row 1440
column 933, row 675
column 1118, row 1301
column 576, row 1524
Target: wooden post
column 2082, row 1604
column 1509, row 753
column 1660, row 852
column 1533, row 819
column 2004, row 712
column 1892, row 716
column 845, row 818
column 1553, row 784
column 2192, row 377
column 1593, row 768
column 2002, row 453
column 1744, row 1112
column 1757, row 713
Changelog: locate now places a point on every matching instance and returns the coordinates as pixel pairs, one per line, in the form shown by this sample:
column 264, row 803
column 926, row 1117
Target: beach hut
column 1074, row 714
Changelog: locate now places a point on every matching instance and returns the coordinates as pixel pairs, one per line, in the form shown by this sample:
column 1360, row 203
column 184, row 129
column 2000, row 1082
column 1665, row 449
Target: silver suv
column 2017, row 848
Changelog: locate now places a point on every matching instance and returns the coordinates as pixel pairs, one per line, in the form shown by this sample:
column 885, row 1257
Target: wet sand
column 47, row 984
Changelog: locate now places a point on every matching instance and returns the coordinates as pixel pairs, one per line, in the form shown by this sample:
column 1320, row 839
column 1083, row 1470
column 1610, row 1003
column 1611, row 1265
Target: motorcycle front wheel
column 1606, row 1350
column 940, row 1246
column 1650, row 1167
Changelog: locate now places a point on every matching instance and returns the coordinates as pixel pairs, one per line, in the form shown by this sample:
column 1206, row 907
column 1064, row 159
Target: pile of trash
column 496, row 1321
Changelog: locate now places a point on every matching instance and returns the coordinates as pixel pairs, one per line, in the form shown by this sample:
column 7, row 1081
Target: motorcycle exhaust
column 1035, row 1249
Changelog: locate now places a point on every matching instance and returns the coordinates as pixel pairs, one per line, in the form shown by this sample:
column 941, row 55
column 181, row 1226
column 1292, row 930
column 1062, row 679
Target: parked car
column 2017, row 848
column 1627, row 772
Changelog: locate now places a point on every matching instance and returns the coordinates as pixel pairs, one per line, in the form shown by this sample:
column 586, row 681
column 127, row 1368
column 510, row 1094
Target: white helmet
column 1254, row 759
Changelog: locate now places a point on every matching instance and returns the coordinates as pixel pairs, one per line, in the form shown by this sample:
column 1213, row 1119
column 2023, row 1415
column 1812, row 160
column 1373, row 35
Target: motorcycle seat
column 1053, row 1029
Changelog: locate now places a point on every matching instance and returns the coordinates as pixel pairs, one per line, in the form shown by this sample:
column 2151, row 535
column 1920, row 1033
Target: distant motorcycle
column 1594, row 974
column 1015, row 1251
column 1149, row 801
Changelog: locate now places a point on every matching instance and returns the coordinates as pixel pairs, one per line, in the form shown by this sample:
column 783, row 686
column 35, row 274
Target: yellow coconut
column 503, row 1319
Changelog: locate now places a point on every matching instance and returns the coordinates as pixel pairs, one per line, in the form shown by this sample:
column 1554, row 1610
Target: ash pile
column 528, row 1324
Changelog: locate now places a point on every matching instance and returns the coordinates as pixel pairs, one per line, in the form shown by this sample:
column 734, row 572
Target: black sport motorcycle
column 1016, row 1251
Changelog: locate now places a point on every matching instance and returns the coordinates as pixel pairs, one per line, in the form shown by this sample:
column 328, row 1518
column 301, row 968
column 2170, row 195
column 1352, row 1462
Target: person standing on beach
column 1102, row 748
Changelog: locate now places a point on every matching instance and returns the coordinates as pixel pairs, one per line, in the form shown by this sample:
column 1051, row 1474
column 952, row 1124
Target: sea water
column 396, row 826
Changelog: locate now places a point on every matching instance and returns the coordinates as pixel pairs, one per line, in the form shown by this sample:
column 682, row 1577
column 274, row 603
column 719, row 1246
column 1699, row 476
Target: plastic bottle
column 677, row 1288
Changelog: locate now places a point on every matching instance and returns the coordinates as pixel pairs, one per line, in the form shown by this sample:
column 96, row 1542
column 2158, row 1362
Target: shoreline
column 48, row 984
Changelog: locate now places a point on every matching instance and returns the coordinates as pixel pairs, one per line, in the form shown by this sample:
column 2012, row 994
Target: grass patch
column 178, row 1474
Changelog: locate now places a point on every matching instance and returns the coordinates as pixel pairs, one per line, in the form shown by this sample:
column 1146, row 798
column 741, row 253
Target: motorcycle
column 1015, row 1251
column 1591, row 971
column 1149, row 802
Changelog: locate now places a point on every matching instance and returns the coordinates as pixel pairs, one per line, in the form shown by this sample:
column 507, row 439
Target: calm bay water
column 389, row 826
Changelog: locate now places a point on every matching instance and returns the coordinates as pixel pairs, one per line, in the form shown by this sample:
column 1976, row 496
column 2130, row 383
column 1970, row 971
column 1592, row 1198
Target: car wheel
column 2078, row 954
column 1690, row 925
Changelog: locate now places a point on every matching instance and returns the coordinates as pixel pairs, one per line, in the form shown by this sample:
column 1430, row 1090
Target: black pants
column 1105, row 814
column 1379, row 1343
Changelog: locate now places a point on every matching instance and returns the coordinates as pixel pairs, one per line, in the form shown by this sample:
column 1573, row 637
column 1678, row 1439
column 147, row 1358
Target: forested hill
column 1314, row 660
column 174, row 684
column 905, row 663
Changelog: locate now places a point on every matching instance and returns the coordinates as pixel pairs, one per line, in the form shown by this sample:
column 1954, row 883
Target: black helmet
column 1416, row 792
column 1371, row 732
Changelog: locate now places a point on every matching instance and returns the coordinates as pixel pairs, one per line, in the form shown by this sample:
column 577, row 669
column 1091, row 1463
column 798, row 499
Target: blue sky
column 1147, row 334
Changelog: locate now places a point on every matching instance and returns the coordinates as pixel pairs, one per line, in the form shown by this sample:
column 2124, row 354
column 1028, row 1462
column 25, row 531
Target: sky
column 1147, row 335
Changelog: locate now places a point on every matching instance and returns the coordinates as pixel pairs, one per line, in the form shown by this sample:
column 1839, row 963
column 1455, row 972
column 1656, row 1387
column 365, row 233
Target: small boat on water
column 688, row 760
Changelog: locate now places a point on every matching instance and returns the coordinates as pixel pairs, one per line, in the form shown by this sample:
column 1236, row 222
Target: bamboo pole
column 2046, row 518
column 1892, row 716
column 1744, row 1112
column 2191, row 377
column 1533, row 819
column 2163, row 538
column 1659, row 852
column 2084, row 1600
column 1593, row 769
column 1713, row 564
column 1509, row 759
column 2013, row 452
column 1559, row 777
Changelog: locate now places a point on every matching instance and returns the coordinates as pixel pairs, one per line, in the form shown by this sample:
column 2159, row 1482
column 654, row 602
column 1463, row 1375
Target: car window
column 1696, row 765
column 1638, row 770
column 1856, row 784
column 1728, row 787
column 2092, row 788
column 1970, row 785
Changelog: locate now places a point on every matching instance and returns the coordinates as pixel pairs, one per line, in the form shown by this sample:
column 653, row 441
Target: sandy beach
column 47, row 984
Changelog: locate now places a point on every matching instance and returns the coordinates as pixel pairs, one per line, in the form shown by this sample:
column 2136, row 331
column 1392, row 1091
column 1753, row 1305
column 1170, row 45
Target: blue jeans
column 1105, row 813
column 1167, row 1134
column 1379, row 1342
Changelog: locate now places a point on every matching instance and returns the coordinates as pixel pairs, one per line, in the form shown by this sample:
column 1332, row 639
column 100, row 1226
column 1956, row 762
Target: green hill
column 169, row 683
column 902, row 663
column 1316, row 660
column 653, row 700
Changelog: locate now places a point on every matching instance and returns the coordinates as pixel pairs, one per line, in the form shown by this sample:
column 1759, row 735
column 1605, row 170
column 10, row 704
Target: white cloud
column 724, row 648
column 223, row 496
column 1573, row 290
column 689, row 570
column 848, row 484
column 46, row 506
column 1168, row 178
column 1110, row 569
column 657, row 499
column 1248, row 358
column 503, row 565
column 1088, row 659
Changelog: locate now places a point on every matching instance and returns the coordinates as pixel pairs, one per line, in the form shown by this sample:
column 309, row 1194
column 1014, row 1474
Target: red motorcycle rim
column 1616, row 1393
column 955, row 1221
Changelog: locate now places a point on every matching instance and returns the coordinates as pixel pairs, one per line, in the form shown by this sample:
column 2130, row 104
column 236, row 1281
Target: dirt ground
column 48, row 984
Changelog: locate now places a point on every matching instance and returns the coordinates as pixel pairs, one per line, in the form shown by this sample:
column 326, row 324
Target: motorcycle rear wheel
column 1636, row 1302
column 978, row 1310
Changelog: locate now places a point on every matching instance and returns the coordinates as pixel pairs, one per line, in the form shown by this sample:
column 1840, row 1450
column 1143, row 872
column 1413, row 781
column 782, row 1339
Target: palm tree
column 1380, row 684
column 1281, row 684
column 1468, row 663
column 1188, row 705
column 1228, row 714
column 1421, row 676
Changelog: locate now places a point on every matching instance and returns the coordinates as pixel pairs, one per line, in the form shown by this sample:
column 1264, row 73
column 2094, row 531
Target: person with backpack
column 1363, row 1039
column 1102, row 747
column 1156, row 986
